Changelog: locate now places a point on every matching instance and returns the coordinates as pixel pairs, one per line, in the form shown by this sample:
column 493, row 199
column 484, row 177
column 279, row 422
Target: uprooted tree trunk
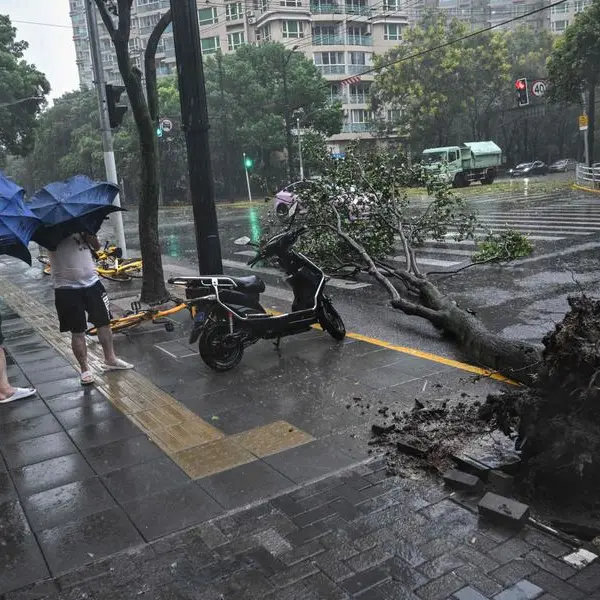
column 558, row 418
column 516, row 360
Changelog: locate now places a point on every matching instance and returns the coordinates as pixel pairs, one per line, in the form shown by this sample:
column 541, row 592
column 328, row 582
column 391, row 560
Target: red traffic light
column 520, row 84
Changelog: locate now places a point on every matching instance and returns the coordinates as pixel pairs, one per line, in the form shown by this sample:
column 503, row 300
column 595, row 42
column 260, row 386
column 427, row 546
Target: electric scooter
column 228, row 316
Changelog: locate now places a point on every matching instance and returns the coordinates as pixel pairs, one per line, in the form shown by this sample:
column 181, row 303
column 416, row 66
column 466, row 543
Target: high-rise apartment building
column 340, row 36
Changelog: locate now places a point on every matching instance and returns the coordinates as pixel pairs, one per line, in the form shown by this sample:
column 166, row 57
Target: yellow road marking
column 419, row 354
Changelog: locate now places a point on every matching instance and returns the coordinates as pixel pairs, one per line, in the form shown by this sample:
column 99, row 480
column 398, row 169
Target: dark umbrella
column 75, row 205
column 17, row 222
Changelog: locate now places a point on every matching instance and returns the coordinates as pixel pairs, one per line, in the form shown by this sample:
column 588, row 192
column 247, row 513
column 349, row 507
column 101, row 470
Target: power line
column 42, row 24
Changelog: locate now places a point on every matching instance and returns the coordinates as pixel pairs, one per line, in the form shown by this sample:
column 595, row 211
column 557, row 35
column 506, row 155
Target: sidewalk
column 175, row 482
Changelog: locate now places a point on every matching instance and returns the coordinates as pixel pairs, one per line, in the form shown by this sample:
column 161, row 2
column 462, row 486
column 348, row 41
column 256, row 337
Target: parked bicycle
column 158, row 316
column 110, row 264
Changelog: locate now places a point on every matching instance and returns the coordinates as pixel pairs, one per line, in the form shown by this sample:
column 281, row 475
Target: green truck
column 461, row 165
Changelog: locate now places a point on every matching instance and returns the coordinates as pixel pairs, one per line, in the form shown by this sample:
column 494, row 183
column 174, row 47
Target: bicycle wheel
column 133, row 268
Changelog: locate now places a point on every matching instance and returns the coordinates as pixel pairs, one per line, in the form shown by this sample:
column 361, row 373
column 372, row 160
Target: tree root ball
column 558, row 418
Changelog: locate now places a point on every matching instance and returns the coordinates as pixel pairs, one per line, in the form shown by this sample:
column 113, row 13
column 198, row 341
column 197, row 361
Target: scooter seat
column 250, row 284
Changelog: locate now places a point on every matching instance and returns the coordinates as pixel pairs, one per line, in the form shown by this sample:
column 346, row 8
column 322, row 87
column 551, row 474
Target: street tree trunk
column 153, row 284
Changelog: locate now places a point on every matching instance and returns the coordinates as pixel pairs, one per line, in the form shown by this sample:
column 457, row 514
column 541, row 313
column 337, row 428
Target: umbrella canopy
column 17, row 222
column 72, row 206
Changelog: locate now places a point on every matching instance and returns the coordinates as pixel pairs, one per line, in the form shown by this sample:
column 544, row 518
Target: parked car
column 536, row 167
column 563, row 165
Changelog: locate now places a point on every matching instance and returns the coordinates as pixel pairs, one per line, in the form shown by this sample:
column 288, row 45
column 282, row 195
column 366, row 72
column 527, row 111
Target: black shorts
column 72, row 304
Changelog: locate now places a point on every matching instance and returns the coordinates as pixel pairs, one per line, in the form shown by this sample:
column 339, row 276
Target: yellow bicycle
column 110, row 265
column 137, row 315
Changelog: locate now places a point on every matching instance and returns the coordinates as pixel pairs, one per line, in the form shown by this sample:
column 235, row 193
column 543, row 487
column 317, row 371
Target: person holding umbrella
column 17, row 225
column 72, row 213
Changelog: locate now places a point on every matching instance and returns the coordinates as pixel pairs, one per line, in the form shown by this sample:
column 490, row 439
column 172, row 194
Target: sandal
column 19, row 394
column 120, row 365
column 87, row 378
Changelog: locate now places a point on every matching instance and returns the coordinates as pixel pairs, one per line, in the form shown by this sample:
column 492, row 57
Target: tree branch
column 373, row 270
column 410, row 308
column 124, row 28
column 106, row 18
column 150, row 63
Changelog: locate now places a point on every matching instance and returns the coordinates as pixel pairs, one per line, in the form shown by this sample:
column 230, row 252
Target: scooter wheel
column 169, row 327
column 330, row 320
column 218, row 349
column 282, row 212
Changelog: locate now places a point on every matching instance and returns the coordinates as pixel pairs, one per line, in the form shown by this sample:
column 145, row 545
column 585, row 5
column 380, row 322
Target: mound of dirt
column 558, row 419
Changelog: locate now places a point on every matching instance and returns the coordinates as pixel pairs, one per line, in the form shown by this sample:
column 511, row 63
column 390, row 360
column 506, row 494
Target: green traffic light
column 159, row 132
column 248, row 162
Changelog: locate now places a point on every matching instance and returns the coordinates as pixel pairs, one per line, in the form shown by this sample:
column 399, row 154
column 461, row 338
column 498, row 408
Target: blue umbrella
column 17, row 222
column 75, row 205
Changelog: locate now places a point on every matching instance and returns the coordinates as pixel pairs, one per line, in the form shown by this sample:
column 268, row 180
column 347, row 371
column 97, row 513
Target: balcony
column 334, row 98
column 325, row 8
column 356, row 69
column 360, row 40
column 358, row 128
column 158, row 5
column 328, row 39
column 365, row 11
column 332, row 69
column 359, row 98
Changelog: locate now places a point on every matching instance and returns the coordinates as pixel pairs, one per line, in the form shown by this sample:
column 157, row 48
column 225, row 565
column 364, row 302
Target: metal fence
column 588, row 177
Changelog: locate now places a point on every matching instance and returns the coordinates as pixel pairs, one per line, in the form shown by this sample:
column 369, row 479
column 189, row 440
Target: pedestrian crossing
column 558, row 220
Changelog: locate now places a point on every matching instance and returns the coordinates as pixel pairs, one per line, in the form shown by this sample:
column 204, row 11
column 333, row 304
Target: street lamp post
column 300, row 148
column 286, row 114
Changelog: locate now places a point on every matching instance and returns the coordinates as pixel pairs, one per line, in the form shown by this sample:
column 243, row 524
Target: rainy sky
column 46, row 25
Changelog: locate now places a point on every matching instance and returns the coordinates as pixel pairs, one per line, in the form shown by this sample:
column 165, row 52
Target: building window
column 147, row 2
column 391, row 5
column 234, row 11
column 561, row 8
column 235, row 40
column 148, row 21
column 208, row 16
column 358, row 58
column 293, row 29
column 329, row 58
column 264, row 33
column 360, row 115
column 559, row 26
column 290, row 2
column 210, row 45
column 393, row 116
column 392, row 32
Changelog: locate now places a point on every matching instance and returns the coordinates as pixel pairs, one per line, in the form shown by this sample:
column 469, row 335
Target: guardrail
column 588, row 177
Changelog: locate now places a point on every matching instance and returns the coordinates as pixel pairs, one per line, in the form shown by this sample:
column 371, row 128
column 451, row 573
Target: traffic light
column 116, row 111
column 159, row 131
column 248, row 162
column 522, row 91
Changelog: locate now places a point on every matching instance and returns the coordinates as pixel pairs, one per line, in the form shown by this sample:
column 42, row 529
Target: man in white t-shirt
column 80, row 297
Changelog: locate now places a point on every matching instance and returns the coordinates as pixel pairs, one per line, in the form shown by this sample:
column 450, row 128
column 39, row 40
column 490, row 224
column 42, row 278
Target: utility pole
column 300, row 148
column 585, row 131
column 247, row 178
column 225, row 125
column 107, row 141
column 194, row 116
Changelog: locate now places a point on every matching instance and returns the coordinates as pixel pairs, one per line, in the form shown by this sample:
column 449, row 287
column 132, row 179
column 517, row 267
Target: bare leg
column 6, row 389
column 106, row 340
column 80, row 350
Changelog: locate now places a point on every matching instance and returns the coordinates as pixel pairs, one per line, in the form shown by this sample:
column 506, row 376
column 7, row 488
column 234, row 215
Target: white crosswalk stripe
column 554, row 218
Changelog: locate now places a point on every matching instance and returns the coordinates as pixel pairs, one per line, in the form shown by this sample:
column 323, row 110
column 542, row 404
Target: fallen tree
column 558, row 417
column 361, row 208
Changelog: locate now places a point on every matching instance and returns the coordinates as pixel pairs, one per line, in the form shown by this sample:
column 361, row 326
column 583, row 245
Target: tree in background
column 574, row 66
column 19, row 81
column 465, row 91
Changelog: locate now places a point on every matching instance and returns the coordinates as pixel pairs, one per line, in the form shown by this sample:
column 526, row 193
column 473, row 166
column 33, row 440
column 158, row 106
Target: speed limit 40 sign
column 538, row 88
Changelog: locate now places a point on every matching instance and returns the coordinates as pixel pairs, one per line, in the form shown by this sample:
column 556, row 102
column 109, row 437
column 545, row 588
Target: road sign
column 166, row 125
column 583, row 122
column 538, row 88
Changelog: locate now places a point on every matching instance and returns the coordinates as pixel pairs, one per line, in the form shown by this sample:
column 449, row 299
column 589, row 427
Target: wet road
column 522, row 300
